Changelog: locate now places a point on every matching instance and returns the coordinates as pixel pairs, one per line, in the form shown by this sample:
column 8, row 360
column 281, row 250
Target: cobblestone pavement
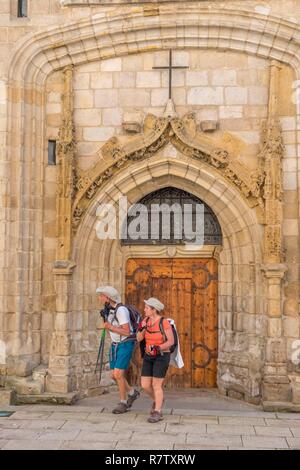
column 192, row 420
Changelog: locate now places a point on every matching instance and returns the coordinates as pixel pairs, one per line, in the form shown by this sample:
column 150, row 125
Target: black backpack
column 174, row 345
column 135, row 318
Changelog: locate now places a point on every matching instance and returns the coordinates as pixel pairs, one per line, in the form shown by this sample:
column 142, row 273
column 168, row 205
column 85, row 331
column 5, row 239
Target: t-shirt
column 119, row 318
column 153, row 335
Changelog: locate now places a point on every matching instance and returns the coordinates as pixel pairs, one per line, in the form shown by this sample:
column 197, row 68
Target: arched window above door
column 170, row 196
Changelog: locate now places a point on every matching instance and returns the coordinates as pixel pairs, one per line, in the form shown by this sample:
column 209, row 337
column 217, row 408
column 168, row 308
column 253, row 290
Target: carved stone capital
column 64, row 267
column 275, row 271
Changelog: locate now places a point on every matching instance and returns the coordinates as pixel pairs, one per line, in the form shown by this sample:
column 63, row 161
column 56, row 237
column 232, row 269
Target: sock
column 124, row 401
column 131, row 392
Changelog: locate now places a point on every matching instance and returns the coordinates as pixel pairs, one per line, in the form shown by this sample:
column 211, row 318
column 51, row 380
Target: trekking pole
column 100, row 352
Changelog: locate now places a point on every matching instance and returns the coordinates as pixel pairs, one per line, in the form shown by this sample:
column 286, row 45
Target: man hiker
column 119, row 326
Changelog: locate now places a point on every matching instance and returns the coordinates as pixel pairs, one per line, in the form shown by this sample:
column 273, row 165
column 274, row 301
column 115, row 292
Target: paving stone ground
column 192, row 420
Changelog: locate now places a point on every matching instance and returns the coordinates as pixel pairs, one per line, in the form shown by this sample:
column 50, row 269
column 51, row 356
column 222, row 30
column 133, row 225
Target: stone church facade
column 81, row 77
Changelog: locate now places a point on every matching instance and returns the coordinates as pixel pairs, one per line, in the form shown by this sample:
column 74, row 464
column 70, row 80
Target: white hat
column 154, row 303
column 111, row 293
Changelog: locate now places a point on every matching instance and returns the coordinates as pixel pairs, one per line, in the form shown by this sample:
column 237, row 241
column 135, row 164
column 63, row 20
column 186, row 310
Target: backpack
column 174, row 345
column 135, row 318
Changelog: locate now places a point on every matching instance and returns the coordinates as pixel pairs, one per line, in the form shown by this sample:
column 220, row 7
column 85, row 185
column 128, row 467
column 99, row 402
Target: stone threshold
column 283, row 407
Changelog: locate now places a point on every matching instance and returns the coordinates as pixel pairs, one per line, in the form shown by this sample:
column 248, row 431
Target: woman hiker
column 157, row 354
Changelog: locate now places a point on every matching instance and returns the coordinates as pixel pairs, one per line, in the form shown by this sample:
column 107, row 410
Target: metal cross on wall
column 170, row 67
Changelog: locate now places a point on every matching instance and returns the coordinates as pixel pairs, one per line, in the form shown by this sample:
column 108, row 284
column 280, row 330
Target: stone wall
column 227, row 81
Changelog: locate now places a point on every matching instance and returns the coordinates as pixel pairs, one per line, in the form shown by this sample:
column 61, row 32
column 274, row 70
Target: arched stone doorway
column 186, row 285
column 104, row 261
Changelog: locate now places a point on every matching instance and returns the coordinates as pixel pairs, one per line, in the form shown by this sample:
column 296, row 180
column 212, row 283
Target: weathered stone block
column 87, row 117
column 24, row 386
column 276, row 392
column 276, row 350
column 98, row 134
column 148, row 79
column 106, row 98
column 134, row 98
column 274, row 327
column 291, row 327
column 7, row 397
column 58, row 383
column 81, row 81
column 124, row 80
column 24, row 368
column 257, row 95
column 112, row 117
column 83, row 99
column 224, row 77
column 101, row 80
column 159, row 97
column 231, row 112
column 197, row 78
column 205, row 95
column 111, row 65
column 295, row 384
column 235, row 95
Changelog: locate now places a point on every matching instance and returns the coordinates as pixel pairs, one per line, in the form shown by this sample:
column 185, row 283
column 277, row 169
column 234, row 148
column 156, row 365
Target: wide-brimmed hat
column 155, row 303
column 110, row 292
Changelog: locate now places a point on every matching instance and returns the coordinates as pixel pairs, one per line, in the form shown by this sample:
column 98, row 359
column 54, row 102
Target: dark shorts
column 155, row 366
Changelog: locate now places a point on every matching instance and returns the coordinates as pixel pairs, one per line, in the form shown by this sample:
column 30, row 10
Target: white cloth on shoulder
column 176, row 358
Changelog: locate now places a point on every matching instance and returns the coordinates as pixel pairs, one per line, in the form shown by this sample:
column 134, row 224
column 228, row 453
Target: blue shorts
column 120, row 354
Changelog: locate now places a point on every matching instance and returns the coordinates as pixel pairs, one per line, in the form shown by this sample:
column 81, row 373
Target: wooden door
column 188, row 289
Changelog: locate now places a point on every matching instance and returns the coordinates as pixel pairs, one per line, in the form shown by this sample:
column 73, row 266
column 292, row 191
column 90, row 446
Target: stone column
column 276, row 384
column 61, row 376
column 61, row 373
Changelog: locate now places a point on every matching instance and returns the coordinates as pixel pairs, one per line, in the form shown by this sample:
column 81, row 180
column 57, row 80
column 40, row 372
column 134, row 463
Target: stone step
column 284, row 407
column 7, row 397
column 48, row 398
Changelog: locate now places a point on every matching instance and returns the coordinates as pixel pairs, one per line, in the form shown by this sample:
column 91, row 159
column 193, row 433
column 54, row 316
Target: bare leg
column 119, row 376
column 128, row 387
column 158, row 393
column 146, row 383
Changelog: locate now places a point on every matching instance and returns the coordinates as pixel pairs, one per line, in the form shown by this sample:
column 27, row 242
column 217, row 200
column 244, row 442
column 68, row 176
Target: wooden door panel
column 188, row 288
column 205, row 324
column 180, row 311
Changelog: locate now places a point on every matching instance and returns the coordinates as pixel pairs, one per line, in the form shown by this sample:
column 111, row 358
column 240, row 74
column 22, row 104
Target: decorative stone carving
column 271, row 162
column 157, row 132
column 66, row 169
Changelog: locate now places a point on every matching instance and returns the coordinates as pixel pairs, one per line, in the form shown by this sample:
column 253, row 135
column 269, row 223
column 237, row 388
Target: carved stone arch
column 183, row 134
column 103, row 261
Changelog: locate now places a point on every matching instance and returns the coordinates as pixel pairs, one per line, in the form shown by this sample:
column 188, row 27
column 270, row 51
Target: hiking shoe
column 155, row 417
column 120, row 408
column 132, row 398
